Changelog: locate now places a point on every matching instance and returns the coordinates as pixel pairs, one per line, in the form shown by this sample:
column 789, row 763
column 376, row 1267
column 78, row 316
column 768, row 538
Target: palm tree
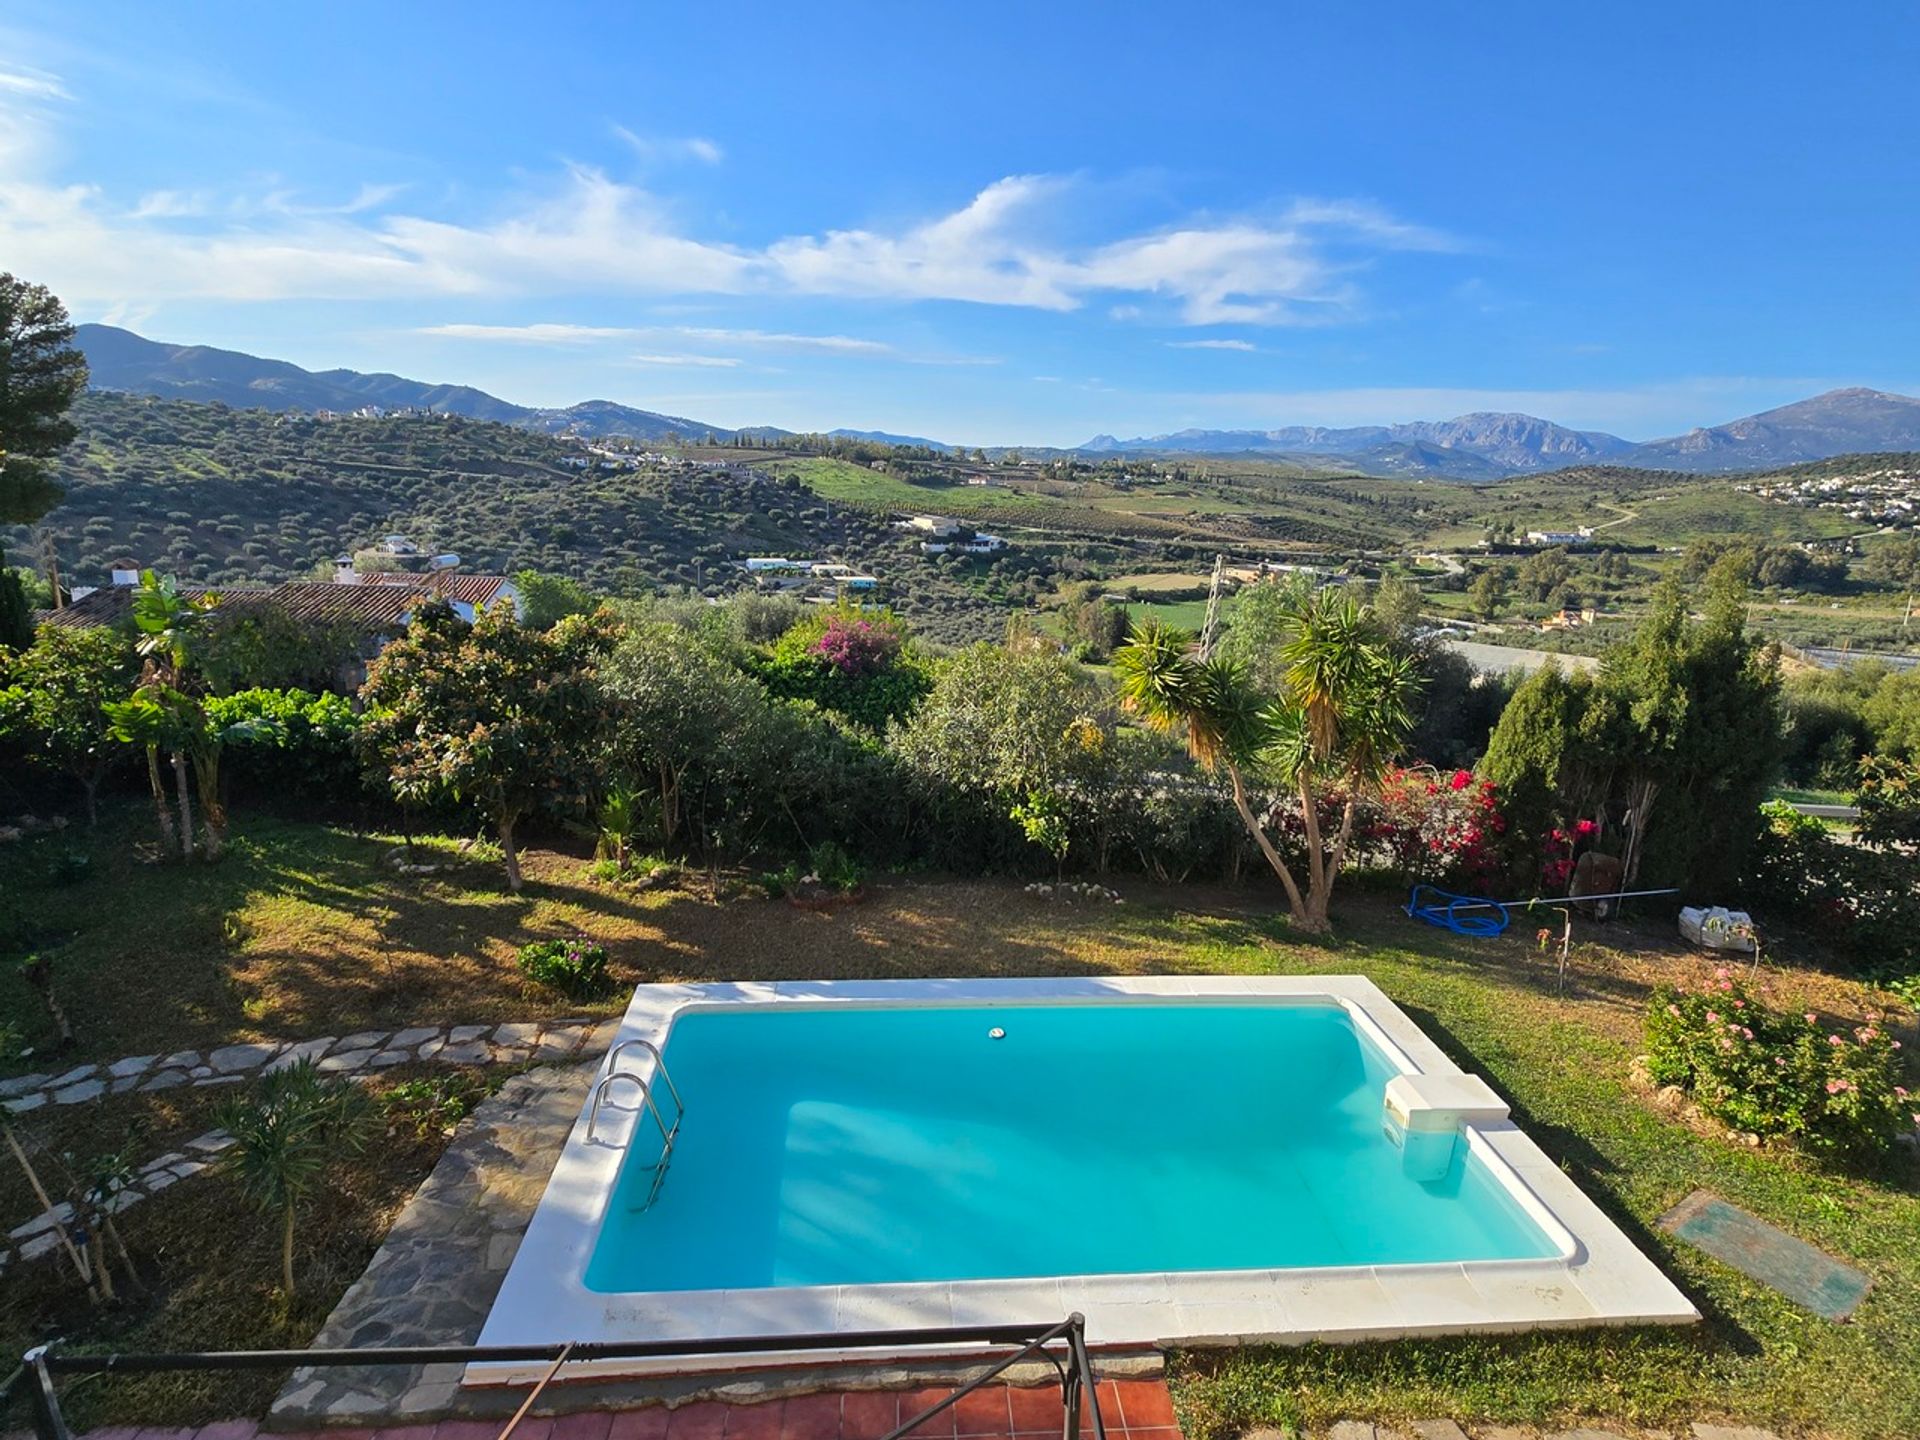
column 619, row 817
column 286, row 1135
column 168, row 623
column 1340, row 714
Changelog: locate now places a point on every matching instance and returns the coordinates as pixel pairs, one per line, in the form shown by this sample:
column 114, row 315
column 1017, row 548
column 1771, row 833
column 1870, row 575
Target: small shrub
column 1833, row 1092
column 68, row 866
column 576, row 968
column 429, row 1106
column 832, row 867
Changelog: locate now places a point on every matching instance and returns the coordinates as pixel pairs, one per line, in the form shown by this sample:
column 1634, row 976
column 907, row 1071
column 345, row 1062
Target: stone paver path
column 514, row 1042
column 361, row 1057
column 41, row 1235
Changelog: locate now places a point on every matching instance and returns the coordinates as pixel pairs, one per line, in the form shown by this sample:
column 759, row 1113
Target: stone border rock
column 361, row 1057
column 508, row 1043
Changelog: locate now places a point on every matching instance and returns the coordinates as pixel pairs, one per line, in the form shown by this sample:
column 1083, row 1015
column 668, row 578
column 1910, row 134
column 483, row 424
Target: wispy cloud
column 678, row 147
column 1211, row 345
column 31, row 84
column 721, row 362
column 583, row 232
column 536, row 334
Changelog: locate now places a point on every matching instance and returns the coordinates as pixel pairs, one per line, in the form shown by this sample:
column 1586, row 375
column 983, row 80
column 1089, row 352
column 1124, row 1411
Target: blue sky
column 994, row 223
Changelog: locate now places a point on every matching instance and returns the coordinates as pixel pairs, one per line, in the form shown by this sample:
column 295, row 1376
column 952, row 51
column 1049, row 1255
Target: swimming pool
column 1183, row 1159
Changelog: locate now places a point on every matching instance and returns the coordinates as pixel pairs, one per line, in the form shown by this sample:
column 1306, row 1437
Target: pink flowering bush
column 855, row 646
column 1835, row 1091
column 577, row 968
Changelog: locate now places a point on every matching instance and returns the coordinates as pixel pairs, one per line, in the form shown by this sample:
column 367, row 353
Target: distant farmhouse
column 376, row 606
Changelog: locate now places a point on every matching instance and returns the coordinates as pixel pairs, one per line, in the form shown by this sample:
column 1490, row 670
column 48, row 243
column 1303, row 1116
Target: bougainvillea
column 856, row 646
column 1436, row 826
column 1559, row 852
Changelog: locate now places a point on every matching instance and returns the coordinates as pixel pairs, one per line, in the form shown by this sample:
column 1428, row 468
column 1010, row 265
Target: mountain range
column 1480, row 446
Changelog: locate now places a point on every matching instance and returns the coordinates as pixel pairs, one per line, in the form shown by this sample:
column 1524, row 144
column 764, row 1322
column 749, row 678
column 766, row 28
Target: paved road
column 1499, row 659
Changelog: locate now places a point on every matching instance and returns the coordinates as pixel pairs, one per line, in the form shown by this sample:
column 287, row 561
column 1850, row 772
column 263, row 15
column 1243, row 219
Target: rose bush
column 1833, row 1090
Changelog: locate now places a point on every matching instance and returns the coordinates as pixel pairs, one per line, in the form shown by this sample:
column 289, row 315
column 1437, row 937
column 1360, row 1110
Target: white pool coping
column 1598, row 1278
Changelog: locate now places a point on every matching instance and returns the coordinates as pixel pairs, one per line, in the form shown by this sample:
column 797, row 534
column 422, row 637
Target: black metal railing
column 1062, row 1345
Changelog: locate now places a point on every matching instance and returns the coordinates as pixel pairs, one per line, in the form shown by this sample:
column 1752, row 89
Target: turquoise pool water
column 835, row 1145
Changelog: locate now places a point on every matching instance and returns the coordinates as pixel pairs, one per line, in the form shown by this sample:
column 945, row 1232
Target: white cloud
column 685, row 147
column 32, row 85
column 1211, row 345
column 538, row 334
column 723, row 362
column 585, row 233
column 838, row 344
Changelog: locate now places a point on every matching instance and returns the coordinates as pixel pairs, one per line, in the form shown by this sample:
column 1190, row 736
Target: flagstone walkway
column 369, row 1050
column 359, row 1056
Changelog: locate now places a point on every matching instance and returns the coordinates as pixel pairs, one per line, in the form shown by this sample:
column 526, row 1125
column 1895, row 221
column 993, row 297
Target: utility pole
column 1213, row 607
column 53, row 568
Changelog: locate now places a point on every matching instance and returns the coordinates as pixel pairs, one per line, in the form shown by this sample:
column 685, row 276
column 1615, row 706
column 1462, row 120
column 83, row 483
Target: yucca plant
column 288, row 1133
column 1341, row 712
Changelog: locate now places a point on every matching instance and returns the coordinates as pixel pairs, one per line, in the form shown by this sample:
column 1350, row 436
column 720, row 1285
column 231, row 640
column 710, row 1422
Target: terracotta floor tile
column 1035, row 1408
column 984, row 1412
column 1109, row 1399
column 698, row 1420
column 647, row 1424
column 811, row 1417
column 588, row 1425
column 1145, row 1405
column 754, row 1422
column 868, row 1414
column 912, row 1402
column 1151, row 1433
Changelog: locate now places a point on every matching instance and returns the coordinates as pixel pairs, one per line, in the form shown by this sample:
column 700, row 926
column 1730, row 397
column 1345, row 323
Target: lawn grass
column 304, row 931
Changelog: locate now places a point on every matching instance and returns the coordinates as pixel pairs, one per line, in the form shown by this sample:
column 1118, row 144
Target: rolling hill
column 1478, row 447
column 1840, row 422
column 121, row 360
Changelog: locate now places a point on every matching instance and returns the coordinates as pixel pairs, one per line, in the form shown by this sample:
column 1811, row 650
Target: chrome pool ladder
column 668, row 1133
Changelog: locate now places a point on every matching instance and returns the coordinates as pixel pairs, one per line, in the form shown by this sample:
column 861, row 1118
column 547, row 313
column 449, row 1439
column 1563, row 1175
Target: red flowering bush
column 1437, row 827
column 1559, row 851
column 1834, row 1091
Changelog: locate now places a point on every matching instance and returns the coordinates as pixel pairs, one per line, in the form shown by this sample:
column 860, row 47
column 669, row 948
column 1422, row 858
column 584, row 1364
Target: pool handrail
column 668, row 1133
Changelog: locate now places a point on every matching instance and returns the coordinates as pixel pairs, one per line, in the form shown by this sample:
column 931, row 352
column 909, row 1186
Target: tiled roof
column 481, row 590
column 377, row 602
column 111, row 604
column 369, row 605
